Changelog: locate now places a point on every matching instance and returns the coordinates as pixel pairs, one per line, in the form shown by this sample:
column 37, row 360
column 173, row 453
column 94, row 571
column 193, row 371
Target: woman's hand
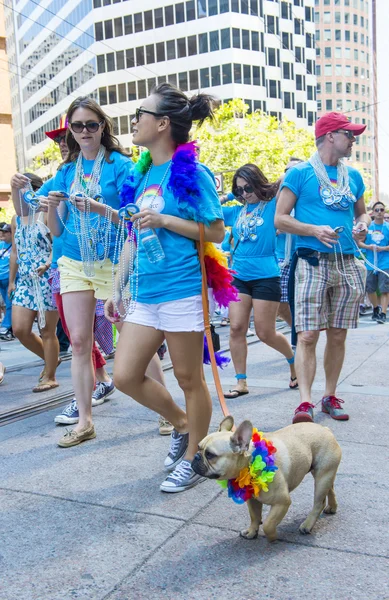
column 43, row 204
column 19, row 181
column 54, row 199
column 42, row 269
column 149, row 218
column 11, row 290
column 110, row 311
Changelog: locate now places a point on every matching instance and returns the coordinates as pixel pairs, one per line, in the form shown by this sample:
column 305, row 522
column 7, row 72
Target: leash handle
column 207, row 326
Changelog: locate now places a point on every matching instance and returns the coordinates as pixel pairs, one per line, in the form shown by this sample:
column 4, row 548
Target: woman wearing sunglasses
column 257, row 274
column 91, row 176
column 173, row 191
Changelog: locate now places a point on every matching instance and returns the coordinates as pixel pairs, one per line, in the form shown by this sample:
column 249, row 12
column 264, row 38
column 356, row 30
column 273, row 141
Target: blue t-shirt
column 254, row 260
column 44, row 190
column 379, row 236
column 112, row 178
column 280, row 245
column 178, row 275
column 5, row 255
column 310, row 208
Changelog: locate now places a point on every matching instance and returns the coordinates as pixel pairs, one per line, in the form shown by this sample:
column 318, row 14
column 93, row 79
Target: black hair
column 36, row 181
column 295, row 159
column 181, row 110
column 377, row 203
column 263, row 189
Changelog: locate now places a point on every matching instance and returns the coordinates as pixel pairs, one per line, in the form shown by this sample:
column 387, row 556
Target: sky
column 383, row 93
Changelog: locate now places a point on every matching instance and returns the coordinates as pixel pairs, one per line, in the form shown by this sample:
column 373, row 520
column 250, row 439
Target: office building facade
column 262, row 51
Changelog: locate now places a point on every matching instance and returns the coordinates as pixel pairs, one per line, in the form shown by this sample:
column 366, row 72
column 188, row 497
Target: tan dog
column 301, row 448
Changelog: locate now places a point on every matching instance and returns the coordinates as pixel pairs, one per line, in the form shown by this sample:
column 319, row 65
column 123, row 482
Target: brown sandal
column 44, row 387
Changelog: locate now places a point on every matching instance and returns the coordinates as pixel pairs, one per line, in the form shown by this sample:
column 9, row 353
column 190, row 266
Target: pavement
column 90, row 523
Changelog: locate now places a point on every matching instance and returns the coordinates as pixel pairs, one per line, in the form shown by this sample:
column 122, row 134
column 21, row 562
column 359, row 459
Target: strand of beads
column 336, row 198
column 247, row 223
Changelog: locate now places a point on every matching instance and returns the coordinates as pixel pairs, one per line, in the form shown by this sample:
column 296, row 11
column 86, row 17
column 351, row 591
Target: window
column 318, row 71
column 118, row 26
column 247, row 74
column 356, row 37
column 309, row 40
column 337, row 17
column 227, row 74
column 327, row 52
column 299, row 82
column 285, row 40
column 150, row 54
column 338, row 35
column 111, row 61
column 347, row 18
column 160, row 47
column 287, row 100
column 299, row 110
column 328, row 104
column 235, row 38
column 237, row 73
column 181, row 47
column 123, row 124
column 127, row 20
column 271, row 24
column 224, row 6
column 192, row 45
column 287, row 70
column 327, row 17
column 298, row 26
column 255, row 41
column 183, row 81
column 271, row 57
column 355, row 19
column 148, row 19
column 141, row 89
column 158, row 18
column 194, row 80
column 285, row 10
column 122, row 94
column 190, row 16
column 203, row 43
column 108, row 31
column 355, row 54
column 215, row 76
column 170, row 50
column 172, row 78
column 99, row 33
column 103, row 96
column 327, row 35
column 348, row 88
column 256, row 76
column 299, row 54
column 347, row 35
column 310, row 118
column 328, row 70
column 328, row 87
column 130, row 58
column 138, row 22
column 310, row 92
column 272, row 88
column 101, row 63
column 212, row 7
column 169, row 16
column 120, row 60
column 347, row 71
column 245, row 39
column 180, row 13
column 204, row 77
column 131, row 90
column 338, row 52
column 338, row 70
column 225, row 38
column 140, row 56
column 112, row 96
column 214, row 41
column 339, row 104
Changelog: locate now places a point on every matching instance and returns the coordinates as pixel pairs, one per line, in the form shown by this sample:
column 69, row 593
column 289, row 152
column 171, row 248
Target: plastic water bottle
column 152, row 245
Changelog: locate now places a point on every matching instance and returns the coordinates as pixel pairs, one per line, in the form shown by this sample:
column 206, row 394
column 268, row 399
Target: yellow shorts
column 73, row 278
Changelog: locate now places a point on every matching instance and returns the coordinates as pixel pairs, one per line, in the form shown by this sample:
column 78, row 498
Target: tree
column 51, row 156
column 236, row 137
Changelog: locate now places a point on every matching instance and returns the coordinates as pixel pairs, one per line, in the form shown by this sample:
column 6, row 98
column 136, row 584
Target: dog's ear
column 227, row 424
column 241, row 438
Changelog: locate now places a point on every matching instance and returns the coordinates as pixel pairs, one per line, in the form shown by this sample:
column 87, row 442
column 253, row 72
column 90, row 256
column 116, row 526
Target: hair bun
column 202, row 106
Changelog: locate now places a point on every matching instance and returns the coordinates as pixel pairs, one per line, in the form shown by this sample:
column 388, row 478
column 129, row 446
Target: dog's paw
column 249, row 534
column 304, row 529
column 329, row 510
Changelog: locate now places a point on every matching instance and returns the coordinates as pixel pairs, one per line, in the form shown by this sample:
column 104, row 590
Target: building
column 345, row 81
column 259, row 50
column 7, row 147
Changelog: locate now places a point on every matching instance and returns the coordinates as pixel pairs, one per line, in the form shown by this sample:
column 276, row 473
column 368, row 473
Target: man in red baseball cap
column 327, row 196
column 59, row 136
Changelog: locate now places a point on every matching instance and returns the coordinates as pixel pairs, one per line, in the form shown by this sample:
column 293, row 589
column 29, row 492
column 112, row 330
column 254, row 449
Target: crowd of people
column 107, row 241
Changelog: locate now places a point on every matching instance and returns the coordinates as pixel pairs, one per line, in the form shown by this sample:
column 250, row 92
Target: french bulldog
column 301, row 448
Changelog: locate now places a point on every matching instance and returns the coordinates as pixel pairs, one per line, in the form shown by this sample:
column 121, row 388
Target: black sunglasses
column 140, row 111
column 91, row 126
column 349, row 134
column 379, row 210
column 59, row 138
column 246, row 188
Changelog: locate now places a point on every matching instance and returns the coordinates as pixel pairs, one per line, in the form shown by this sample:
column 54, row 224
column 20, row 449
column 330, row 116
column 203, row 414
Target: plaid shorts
column 323, row 298
column 284, row 271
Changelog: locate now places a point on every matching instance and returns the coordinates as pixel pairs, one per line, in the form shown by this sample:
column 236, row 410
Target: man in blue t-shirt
column 5, row 254
column 327, row 196
column 376, row 246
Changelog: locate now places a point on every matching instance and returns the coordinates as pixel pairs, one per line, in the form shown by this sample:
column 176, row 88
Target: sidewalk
column 90, row 523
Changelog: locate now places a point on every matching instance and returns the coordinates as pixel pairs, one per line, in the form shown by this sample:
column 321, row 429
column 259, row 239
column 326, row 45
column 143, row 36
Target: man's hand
column 360, row 231
column 326, row 235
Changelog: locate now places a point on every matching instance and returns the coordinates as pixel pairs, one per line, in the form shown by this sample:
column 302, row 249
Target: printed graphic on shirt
column 152, row 198
column 334, row 201
column 376, row 235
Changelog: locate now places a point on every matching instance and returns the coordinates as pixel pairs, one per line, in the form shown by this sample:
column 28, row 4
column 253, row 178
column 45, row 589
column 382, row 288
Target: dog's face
column 223, row 454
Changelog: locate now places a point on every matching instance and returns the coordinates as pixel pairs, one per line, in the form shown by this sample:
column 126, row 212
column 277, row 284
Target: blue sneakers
column 69, row 415
column 102, row 392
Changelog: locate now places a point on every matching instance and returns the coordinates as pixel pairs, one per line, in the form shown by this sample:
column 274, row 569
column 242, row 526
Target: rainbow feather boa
column 256, row 477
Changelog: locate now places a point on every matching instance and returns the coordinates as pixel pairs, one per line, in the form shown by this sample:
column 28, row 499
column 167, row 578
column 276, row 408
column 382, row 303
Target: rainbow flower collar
column 256, row 477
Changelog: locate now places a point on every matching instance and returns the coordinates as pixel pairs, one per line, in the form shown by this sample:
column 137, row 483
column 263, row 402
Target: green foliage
column 235, row 138
column 7, row 212
column 51, row 156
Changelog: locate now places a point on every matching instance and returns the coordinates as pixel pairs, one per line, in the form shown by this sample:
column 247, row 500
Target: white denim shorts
column 177, row 315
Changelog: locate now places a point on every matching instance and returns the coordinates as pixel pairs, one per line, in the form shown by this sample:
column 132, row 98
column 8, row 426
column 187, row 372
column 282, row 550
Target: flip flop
column 2, row 375
column 291, row 386
column 42, row 373
column 231, row 394
column 44, row 387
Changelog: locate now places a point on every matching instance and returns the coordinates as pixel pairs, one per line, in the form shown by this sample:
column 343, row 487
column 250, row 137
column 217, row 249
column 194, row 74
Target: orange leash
column 207, row 326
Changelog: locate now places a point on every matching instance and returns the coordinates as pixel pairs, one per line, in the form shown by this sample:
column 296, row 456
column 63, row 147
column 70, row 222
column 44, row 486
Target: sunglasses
column 379, row 210
column 91, row 126
column 59, row 139
column 246, row 188
column 140, row 111
column 349, row 134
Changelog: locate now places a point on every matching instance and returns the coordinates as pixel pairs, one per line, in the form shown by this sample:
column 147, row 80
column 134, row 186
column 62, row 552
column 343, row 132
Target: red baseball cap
column 333, row 121
column 63, row 125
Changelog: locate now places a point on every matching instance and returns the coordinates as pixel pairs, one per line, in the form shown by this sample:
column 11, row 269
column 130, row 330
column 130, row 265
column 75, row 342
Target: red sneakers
column 304, row 413
column 331, row 406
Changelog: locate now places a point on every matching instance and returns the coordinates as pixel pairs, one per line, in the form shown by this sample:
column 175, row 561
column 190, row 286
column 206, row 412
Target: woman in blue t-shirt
column 173, row 191
column 83, row 206
column 257, row 274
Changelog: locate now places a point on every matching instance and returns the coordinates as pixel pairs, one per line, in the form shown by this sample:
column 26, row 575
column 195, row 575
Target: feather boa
column 184, row 187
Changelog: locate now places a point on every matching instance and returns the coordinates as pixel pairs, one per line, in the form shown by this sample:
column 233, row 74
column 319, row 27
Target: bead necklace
column 247, row 223
column 125, row 213
column 337, row 197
